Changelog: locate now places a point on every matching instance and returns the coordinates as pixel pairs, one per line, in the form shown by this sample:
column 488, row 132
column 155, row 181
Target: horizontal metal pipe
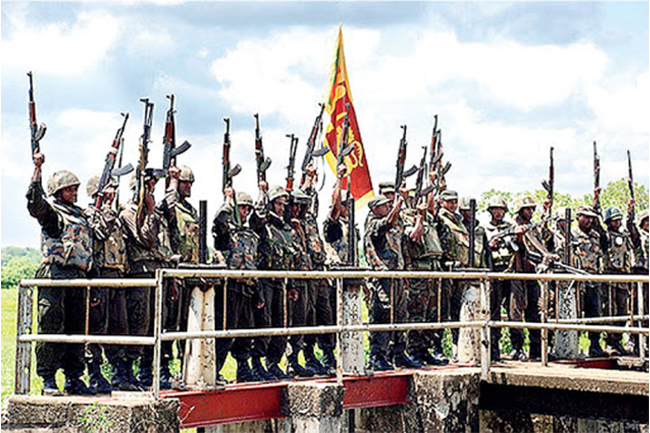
column 219, row 273
column 95, row 282
column 96, row 339
column 168, row 336
column 608, row 319
column 569, row 327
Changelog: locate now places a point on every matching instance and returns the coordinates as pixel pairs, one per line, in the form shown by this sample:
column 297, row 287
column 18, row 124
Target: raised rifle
column 549, row 184
column 311, row 152
column 203, row 231
column 293, row 147
column 37, row 132
column 566, row 258
column 436, row 154
column 419, row 182
column 262, row 163
column 472, row 232
column 401, row 175
column 170, row 151
column 145, row 138
column 630, row 184
column 229, row 172
column 109, row 166
column 596, row 179
column 343, row 148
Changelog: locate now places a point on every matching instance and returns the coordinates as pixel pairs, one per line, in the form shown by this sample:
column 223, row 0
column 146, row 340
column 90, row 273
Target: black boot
column 329, row 361
column 595, row 351
column 297, row 369
column 405, row 361
column 260, row 371
column 274, row 369
column 165, row 376
column 312, row 363
column 97, row 380
column 244, row 372
column 145, row 375
column 380, row 363
column 50, row 387
column 123, row 379
column 75, row 386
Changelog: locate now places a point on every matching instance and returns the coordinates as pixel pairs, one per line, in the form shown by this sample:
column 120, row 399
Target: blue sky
column 507, row 80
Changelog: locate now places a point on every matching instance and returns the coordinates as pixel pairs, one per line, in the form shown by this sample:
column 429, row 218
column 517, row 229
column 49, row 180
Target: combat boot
column 616, row 348
column 274, row 369
column 380, row 363
column 298, row 370
column 403, row 360
column 123, row 379
column 595, row 351
column 98, row 382
column 329, row 361
column 165, row 376
column 259, row 370
column 75, row 386
column 244, row 372
column 312, row 363
column 50, row 387
column 145, row 375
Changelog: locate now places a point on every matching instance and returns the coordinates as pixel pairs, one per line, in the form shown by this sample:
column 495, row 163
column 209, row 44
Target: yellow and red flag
column 338, row 104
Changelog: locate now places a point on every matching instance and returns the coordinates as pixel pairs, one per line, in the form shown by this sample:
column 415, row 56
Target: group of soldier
column 279, row 231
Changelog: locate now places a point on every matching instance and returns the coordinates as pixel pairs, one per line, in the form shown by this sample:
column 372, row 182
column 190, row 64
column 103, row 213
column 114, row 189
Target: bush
column 16, row 269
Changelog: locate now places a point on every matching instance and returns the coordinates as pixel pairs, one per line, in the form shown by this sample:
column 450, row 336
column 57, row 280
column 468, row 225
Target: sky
column 507, row 81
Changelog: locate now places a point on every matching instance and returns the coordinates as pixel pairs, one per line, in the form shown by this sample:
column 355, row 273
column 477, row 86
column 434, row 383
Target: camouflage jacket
column 504, row 252
column 337, row 240
column 586, row 252
column 277, row 248
column 238, row 244
column 148, row 245
column 66, row 237
column 183, row 223
column 382, row 243
column 315, row 246
column 109, row 243
column 455, row 237
column 534, row 239
column 619, row 256
column 644, row 244
column 422, row 254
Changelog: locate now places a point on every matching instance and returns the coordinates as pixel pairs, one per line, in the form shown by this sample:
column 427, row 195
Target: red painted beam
column 381, row 389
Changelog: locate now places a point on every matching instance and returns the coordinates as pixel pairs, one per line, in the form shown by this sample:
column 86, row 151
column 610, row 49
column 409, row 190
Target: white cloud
column 60, row 49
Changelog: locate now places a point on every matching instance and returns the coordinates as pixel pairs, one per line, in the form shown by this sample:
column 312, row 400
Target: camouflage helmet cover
column 524, row 202
column 93, row 185
column 643, row 215
column 244, row 199
column 277, row 191
column 61, row 179
column 299, row 197
column 497, row 202
column 612, row 214
column 463, row 203
column 186, row 174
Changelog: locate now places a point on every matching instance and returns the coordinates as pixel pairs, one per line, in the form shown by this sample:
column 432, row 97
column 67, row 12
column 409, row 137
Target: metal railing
column 25, row 320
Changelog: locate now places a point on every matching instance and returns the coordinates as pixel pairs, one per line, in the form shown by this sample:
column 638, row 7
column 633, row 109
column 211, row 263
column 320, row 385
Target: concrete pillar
column 469, row 339
column 353, row 353
column 199, row 370
column 566, row 342
column 312, row 407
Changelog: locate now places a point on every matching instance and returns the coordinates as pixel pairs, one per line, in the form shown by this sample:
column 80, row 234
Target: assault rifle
column 344, row 149
column 435, row 156
column 472, row 232
column 170, row 151
column 262, row 163
column 596, row 179
column 419, row 182
column 293, row 147
column 401, row 175
column 144, row 156
column 537, row 259
column 228, row 172
column 630, row 184
column 310, row 152
column 37, row 132
column 203, row 231
column 548, row 184
column 109, row 166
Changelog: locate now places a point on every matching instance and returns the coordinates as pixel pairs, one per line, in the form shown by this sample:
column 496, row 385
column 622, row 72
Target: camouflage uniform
column 66, row 253
column 108, row 314
column 423, row 295
column 238, row 244
column 382, row 245
column 148, row 248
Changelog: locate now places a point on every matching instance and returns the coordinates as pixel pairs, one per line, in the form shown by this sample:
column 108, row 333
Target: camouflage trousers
column 615, row 303
column 382, row 308
column 424, row 305
column 524, row 304
column 499, row 297
column 591, row 300
column 319, row 313
column 173, row 305
column 100, row 316
column 239, row 315
column 61, row 310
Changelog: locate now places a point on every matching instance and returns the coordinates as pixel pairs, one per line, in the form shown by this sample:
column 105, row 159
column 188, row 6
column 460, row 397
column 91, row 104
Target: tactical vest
column 162, row 252
column 503, row 253
column 459, row 242
column 74, row 246
column 429, row 247
column 619, row 254
column 315, row 246
column 188, row 227
column 644, row 247
column 276, row 251
column 115, row 249
column 242, row 252
column 586, row 252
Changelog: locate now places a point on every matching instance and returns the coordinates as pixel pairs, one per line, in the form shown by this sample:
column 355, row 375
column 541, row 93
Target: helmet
column 378, row 200
column 560, row 213
column 92, row 186
column 642, row 216
column 463, row 203
column 61, row 179
column 244, row 199
column 586, row 211
column 277, row 191
column 524, row 202
column 186, row 174
column 299, row 197
column 497, row 202
column 613, row 213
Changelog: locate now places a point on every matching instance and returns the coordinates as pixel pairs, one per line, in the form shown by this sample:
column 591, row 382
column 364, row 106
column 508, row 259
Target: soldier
column 480, row 238
column 502, row 248
column 524, row 294
column 319, row 292
column 423, row 252
column 183, row 222
column 387, row 189
column 619, row 258
column 148, row 248
column 238, row 244
column 66, row 247
column 587, row 254
column 107, row 306
column 383, row 248
column 276, row 252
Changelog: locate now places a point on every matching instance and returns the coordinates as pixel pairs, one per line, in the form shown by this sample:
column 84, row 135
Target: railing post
column 339, row 322
column 349, row 313
column 23, row 350
column 157, row 330
column 641, row 305
column 486, row 344
column 543, row 319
